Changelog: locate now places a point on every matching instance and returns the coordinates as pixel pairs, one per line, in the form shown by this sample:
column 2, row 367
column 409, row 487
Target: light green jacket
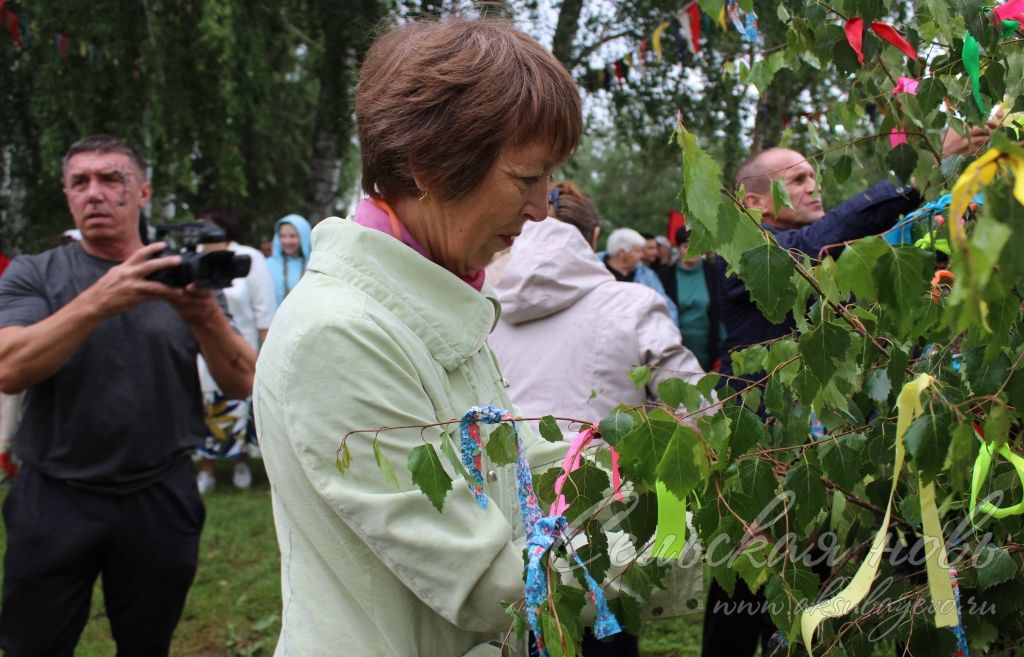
column 377, row 336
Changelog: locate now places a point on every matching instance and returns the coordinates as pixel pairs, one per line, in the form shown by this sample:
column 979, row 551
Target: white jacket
column 569, row 333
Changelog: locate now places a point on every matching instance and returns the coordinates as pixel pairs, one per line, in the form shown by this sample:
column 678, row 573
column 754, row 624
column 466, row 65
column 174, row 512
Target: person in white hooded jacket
column 569, row 333
column 568, row 336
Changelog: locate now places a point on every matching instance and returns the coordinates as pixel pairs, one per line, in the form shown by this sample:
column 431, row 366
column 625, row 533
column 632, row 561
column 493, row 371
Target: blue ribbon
column 541, row 531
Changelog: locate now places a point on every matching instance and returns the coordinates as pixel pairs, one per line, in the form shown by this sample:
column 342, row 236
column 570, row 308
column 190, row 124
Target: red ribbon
column 890, row 34
column 64, row 46
column 13, row 26
column 694, row 11
column 855, row 37
column 1010, row 9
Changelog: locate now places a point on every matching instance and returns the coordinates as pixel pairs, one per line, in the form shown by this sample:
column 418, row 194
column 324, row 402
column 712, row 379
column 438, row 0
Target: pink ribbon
column 571, row 463
column 896, row 137
column 907, row 85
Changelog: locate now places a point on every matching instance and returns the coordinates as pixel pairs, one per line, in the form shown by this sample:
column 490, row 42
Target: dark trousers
column 144, row 545
column 734, row 626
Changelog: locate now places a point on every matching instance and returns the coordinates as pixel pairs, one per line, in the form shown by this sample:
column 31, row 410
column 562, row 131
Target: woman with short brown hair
column 461, row 123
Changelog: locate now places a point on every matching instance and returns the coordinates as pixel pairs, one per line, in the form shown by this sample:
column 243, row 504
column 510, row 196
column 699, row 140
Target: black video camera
column 214, row 269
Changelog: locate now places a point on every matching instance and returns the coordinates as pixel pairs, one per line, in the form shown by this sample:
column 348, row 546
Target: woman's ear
column 594, row 237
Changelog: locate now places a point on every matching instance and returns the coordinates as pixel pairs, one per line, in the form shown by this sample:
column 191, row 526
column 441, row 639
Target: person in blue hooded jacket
column 290, row 253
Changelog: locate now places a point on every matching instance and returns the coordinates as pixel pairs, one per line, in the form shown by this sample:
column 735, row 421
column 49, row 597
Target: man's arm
column 30, row 354
column 869, row 213
column 232, row 362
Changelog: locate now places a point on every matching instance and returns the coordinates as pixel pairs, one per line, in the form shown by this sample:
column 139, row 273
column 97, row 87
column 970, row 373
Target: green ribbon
column 1009, row 27
column 972, row 62
column 671, row 535
column 981, row 467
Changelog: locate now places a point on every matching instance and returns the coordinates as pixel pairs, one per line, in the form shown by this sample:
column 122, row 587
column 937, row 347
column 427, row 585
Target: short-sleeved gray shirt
column 126, row 407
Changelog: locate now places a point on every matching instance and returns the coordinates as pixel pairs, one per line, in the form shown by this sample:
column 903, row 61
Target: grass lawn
column 233, row 609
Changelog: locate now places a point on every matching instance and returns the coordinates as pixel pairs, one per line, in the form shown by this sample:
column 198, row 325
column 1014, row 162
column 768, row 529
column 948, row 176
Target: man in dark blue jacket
column 805, row 227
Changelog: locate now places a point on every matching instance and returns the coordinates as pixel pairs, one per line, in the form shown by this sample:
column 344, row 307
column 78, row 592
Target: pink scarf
column 378, row 215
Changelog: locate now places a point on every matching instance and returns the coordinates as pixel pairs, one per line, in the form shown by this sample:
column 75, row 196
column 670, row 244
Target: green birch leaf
column 544, row 485
column 985, row 377
column 780, row 196
column 585, row 487
column 768, row 272
column 749, row 360
column 715, row 429
column 776, row 398
column 926, row 639
column 746, row 431
column 709, row 382
column 450, row 455
column 842, row 168
column 594, row 554
column 615, row 427
column 781, row 352
column 853, row 270
column 557, row 637
column 757, row 480
column 995, row 566
column 902, row 161
column 502, row 448
column 939, row 10
column 902, row 278
column 639, row 520
column 518, row 619
column 841, row 463
column 997, row 427
column 809, row 496
column 428, row 473
column 549, row 430
column 930, row 91
column 344, row 459
column 684, row 464
column 734, row 234
column 384, row 465
column 640, row 376
column 963, row 449
column 878, row 386
column 676, row 393
column 806, row 386
column 702, row 181
column 927, row 442
column 642, row 450
column 823, row 348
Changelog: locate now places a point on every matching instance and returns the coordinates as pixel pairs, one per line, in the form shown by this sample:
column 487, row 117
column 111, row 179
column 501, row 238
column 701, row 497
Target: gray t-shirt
column 126, row 407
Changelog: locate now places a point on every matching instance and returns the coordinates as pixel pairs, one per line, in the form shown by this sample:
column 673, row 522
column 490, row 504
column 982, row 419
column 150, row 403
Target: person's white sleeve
column 261, row 291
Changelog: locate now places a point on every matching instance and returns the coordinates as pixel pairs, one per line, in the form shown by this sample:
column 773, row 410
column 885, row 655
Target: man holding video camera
column 112, row 413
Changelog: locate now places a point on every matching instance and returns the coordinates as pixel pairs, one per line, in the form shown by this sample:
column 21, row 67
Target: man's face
column 800, row 180
column 106, row 193
column 650, row 252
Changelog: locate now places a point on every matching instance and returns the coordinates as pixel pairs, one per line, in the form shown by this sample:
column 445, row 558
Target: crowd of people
column 463, row 278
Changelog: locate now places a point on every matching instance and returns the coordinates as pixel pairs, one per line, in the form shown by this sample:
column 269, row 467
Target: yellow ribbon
column 908, row 406
column 981, row 467
column 976, row 176
column 656, row 38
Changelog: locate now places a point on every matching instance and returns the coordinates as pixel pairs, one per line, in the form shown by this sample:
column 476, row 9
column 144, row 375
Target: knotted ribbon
column 542, row 532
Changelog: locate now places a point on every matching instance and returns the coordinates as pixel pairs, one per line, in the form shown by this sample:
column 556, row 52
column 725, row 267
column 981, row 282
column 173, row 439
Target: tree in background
column 244, row 105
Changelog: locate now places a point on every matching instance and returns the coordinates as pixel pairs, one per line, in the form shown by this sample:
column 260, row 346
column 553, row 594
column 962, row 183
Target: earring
column 425, row 196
